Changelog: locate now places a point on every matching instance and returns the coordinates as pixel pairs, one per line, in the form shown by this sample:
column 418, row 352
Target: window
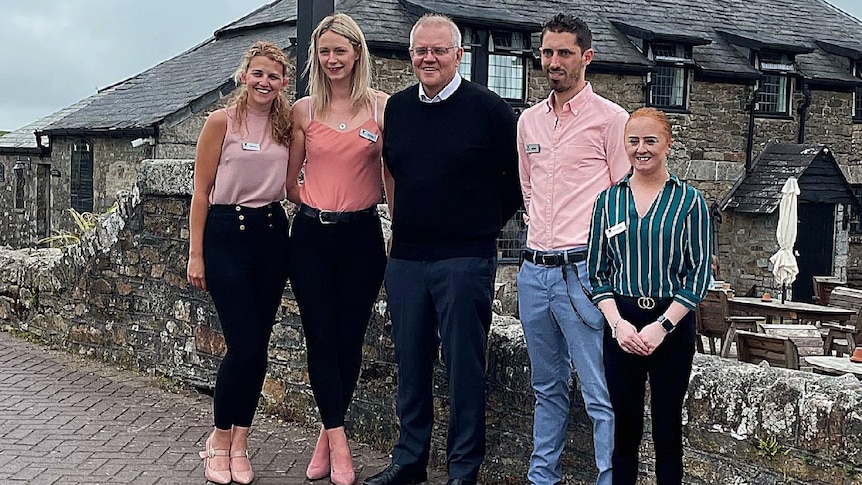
column 81, row 174
column 20, row 182
column 497, row 59
column 774, row 89
column 668, row 82
column 856, row 219
column 2, row 172
column 506, row 64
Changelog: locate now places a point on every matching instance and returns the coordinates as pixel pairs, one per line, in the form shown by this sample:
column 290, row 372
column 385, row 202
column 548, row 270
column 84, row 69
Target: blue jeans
column 558, row 336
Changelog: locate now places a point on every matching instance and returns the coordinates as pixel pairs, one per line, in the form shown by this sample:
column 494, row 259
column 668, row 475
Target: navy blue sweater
column 455, row 165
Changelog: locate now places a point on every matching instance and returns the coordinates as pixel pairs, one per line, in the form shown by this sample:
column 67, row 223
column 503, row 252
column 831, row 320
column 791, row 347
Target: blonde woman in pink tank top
column 238, row 244
column 337, row 255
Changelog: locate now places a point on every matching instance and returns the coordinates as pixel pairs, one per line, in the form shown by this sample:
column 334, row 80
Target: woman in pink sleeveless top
column 237, row 244
column 337, row 255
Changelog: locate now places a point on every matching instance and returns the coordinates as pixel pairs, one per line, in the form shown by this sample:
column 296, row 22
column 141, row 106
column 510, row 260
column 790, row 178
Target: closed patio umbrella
column 784, row 266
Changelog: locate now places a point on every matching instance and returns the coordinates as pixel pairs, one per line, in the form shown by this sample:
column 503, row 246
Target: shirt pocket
column 584, row 163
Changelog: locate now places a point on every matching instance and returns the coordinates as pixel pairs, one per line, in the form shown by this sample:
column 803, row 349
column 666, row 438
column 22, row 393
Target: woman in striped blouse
column 649, row 264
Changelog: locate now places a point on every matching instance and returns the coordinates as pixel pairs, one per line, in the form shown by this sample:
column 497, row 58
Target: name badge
column 533, row 148
column 615, row 229
column 253, row 147
column 368, row 135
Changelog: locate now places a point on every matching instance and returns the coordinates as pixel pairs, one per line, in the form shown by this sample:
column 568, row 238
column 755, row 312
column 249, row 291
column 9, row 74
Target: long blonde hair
column 360, row 79
column 279, row 113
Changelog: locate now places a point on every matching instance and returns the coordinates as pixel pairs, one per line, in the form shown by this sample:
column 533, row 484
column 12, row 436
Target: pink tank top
column 252, row 168
column 343, row 170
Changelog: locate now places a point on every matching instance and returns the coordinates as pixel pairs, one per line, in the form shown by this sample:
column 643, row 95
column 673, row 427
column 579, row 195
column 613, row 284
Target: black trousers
column 668, row 370
column 335, row 272
column 245, row 265
column 430, row 302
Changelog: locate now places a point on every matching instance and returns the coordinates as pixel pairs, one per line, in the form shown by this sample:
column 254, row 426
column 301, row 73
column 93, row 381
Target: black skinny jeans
column 245, row 260
column 335, row 271
column 668, row 370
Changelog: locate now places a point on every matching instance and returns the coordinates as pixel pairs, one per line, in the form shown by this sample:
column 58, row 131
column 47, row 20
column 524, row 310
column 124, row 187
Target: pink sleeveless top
column 343, row 170
column 253, row 167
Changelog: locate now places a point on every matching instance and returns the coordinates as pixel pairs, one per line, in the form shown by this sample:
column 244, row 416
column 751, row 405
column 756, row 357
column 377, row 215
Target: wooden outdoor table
column 793, row 310
column 834, row 366
column 807, row 338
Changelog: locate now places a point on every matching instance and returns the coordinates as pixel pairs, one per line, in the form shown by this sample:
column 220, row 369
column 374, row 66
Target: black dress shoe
column 396, row 474
column 461, row 481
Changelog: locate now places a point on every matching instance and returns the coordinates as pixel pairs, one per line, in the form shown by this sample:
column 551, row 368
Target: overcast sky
column 56, row 52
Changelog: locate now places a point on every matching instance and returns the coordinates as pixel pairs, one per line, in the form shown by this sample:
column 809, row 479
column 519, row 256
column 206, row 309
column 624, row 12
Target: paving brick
column 67, row 420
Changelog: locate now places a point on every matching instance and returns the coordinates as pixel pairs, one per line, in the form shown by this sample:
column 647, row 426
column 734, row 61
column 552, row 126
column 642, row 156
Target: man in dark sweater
column 450, row 146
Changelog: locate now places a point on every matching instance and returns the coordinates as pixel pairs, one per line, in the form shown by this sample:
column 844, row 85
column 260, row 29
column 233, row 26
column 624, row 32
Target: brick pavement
column 70, row 420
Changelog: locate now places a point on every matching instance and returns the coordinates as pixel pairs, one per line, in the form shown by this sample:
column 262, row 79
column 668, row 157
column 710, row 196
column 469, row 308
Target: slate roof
column 148, row 98
column 820, row 179
column 794, row 25
column 23, row 140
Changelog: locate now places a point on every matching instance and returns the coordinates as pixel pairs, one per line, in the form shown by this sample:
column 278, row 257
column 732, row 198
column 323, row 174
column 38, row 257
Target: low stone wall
column 121, row 296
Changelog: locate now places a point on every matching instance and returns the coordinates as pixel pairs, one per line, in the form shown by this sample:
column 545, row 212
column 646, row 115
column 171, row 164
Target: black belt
column 545, row 258
column 330, row 217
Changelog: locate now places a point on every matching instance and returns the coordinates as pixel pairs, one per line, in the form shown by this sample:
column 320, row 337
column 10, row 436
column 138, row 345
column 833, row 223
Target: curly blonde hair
column 279, row 113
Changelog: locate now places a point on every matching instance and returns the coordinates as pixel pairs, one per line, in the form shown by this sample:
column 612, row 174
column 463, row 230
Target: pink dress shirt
column 565, row 163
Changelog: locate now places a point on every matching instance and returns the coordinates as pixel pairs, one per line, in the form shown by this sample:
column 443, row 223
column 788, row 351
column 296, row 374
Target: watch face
column 667, row 325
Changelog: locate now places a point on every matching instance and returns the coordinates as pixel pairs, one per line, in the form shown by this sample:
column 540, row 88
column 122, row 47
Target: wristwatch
column 666, row 324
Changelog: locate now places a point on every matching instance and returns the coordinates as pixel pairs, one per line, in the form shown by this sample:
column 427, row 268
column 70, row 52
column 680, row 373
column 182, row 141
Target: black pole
column 803, row 111
column 308, row 14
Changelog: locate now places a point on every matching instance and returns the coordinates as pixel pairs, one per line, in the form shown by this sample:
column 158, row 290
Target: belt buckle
column 646, row 303
column 322, row 217
column 546, row 257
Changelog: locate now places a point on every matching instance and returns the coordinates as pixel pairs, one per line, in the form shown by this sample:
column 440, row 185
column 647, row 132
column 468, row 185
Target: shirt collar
column 577, row 102
column 444, row 93
column 672, row 178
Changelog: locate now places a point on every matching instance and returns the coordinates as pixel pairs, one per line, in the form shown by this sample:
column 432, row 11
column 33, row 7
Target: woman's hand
column 195, row 272
column 652, row 335
column 629, row 340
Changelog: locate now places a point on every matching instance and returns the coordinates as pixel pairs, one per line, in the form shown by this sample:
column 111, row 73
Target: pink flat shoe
column 318, row 467
column 246, row 476
column 222, row 477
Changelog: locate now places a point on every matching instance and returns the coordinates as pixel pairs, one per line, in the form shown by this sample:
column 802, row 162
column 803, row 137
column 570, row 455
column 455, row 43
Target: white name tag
column 533, row 148
column 615, row 229
column 368, row 135
column 254, row 147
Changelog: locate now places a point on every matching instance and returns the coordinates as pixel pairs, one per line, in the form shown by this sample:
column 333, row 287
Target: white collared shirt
column 444, row 93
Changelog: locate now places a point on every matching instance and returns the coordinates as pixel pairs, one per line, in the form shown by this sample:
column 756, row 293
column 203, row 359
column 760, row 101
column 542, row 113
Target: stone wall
column 121, row 296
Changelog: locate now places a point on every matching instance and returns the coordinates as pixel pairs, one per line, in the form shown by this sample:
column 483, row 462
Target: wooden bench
column 823, row 286
column 754, row 348
column 844, row 338
column 713, row 321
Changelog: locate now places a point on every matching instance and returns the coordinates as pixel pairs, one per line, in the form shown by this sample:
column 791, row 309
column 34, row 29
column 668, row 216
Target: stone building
column 730, row 85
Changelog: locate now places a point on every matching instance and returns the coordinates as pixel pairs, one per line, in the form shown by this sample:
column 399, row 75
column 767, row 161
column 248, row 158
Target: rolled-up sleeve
column 698, row 244
column 598, row 256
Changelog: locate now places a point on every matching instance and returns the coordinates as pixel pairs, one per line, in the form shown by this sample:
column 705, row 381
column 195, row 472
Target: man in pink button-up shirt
column 571, row 148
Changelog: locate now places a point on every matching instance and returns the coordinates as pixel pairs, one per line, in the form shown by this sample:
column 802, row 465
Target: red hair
column 656, row 115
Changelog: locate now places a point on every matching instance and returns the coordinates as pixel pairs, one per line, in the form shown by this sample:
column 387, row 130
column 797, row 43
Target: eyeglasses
column 435, row 51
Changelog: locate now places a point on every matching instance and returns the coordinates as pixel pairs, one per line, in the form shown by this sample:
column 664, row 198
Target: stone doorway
column 814, row 246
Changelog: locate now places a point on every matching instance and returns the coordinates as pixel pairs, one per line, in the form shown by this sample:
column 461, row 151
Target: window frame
column 783, row 73
column 682, row 63
column 477, row 45
column 81, row 191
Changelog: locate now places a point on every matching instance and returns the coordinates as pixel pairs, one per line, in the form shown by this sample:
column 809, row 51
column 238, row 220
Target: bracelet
column 614, row 327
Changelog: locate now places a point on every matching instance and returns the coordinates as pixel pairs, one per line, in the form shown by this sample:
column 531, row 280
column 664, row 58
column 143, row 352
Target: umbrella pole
column 783, row 291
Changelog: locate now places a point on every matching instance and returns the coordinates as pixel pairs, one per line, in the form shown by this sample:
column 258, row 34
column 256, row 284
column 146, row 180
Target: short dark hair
column 563, row 22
